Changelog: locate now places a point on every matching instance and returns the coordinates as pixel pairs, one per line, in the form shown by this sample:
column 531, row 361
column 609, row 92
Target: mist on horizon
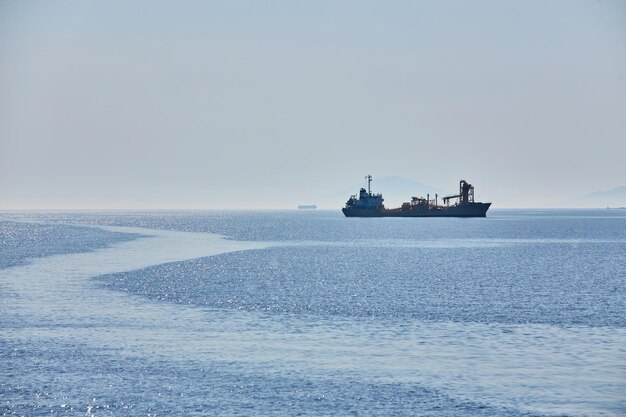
column 252, row 105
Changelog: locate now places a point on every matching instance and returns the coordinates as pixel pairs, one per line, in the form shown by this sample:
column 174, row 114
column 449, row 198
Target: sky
column 271, row 104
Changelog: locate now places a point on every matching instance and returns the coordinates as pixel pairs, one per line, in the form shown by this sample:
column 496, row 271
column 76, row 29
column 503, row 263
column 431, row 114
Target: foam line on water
column 497, row 364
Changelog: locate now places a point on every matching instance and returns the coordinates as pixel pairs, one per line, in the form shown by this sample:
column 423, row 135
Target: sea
column 309, row 313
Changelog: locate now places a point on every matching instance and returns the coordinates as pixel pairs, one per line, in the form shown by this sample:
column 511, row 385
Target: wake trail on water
column 503, row 365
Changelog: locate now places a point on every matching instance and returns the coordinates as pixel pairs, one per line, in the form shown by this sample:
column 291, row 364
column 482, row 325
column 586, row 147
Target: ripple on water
column 75, row 344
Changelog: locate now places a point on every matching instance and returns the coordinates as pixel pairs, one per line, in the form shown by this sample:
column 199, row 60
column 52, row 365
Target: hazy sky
column 258, row 104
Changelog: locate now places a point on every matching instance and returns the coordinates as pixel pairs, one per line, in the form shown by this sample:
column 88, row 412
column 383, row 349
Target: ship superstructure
column 371, row 205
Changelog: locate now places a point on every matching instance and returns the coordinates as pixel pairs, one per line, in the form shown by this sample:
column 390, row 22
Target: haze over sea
column 308, row 313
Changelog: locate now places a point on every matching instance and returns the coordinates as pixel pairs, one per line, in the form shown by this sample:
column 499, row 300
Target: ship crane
column 465, row 195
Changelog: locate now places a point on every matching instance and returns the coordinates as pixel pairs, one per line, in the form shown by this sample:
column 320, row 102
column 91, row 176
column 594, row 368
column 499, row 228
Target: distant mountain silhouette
column 615, row 197
column 395, row 190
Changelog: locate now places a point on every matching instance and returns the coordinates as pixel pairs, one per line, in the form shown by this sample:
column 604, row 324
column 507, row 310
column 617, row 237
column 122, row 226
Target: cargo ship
column 369, row 204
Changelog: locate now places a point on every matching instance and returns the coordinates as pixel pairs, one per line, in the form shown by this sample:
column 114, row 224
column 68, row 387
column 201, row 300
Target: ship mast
column 369, row 180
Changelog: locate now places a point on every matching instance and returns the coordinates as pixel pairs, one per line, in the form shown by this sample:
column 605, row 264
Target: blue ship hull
column 463, row 210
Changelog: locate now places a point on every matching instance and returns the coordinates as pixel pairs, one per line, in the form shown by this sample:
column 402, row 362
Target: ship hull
column 463, row 210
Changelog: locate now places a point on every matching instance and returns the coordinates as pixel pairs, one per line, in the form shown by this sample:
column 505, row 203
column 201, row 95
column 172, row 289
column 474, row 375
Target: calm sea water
column 309, row 313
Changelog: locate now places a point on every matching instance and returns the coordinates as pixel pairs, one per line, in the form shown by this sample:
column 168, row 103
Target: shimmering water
column 309, row 313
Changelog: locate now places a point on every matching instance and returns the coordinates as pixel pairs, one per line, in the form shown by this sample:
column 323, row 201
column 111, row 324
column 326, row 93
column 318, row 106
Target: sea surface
column 262, row 313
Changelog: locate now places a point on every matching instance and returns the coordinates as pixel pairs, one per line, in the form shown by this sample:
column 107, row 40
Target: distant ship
column 307, row 207
column 371, row 205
